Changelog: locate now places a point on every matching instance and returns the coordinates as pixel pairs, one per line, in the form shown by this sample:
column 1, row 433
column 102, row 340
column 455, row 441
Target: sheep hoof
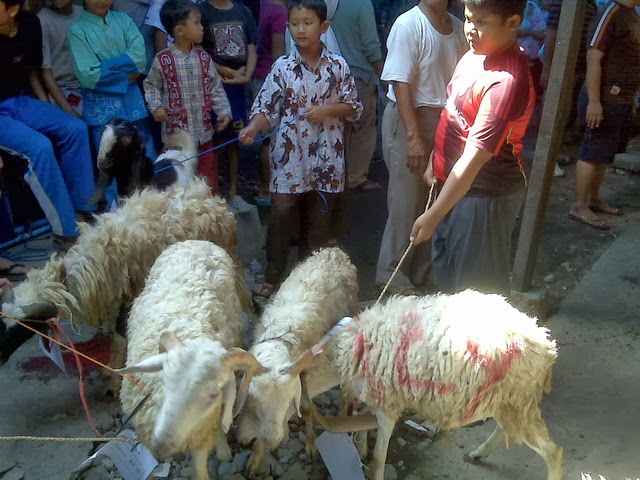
column 224, row 454
column 254, row 465
column 311, row 450
column 472, row 459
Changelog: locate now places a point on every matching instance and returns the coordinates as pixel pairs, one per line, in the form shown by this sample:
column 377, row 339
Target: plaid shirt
column 189, row 73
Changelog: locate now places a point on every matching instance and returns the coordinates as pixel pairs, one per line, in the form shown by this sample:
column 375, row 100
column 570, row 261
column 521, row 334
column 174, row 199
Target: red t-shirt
column 489, row 104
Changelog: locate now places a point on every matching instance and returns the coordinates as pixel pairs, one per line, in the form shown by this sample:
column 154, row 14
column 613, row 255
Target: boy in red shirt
column 477, row 154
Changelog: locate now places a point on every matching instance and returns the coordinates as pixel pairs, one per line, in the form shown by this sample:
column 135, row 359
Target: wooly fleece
column 192, row 292
column 453, row 359
column 107, row 267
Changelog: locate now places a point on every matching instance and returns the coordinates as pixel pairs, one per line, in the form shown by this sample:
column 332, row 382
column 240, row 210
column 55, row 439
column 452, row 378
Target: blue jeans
column 40, row 130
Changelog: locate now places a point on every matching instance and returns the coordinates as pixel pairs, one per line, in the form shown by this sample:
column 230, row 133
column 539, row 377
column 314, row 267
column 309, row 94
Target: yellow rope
column 67, row 439
column 406, row 252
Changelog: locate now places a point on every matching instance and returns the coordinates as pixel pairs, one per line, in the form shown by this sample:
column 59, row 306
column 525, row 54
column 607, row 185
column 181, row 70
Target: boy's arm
column 135, row 44
column 458, row 183
column 218, row 99
column 417, row 154
column 54, row 90
column 248, row 134
column 36, row 85
column 594, row 79
column 91, row 72
column 153, row 86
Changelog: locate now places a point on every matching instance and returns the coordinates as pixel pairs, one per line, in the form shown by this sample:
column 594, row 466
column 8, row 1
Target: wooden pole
column 550, row 131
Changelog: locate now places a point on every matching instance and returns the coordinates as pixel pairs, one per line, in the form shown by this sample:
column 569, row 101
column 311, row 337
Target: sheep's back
column 455, row 359
column 190, row 290
column 318, row 292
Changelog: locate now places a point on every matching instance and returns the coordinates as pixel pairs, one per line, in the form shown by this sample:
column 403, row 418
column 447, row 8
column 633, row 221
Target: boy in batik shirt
column 308, row 95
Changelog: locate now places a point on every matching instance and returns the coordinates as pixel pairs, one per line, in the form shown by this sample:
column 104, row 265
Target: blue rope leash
column 229, row 142
column 256, row 140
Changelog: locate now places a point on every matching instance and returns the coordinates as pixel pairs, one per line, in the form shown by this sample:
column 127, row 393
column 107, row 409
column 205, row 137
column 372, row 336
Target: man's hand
column 423, row 228
column 248, row 134
column 417, row 155
column 595, row 114
column 222, row 122
column 160, row 114
column 429, row 177
column 316, row 114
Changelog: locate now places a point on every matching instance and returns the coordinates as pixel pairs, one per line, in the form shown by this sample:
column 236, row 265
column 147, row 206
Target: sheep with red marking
column 317, row 293
column 183, row 332
column 455, row 359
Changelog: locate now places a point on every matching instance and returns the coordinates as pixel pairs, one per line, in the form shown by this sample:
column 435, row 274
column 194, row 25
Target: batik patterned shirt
column 306, row 157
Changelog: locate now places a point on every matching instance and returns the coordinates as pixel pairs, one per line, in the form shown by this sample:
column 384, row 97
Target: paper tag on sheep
column 133, row 460
column 54, row 355
column 340, row 456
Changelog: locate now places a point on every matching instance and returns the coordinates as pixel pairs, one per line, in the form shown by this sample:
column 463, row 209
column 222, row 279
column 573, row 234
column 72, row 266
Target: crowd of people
column 461, row 78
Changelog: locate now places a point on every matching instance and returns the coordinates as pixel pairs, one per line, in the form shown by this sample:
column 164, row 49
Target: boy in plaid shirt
column 183, row 88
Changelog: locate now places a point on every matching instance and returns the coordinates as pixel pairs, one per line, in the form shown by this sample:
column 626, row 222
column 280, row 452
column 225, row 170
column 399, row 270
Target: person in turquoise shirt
column 108, row 56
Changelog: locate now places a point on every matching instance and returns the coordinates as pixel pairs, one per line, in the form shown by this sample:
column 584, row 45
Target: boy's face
column 97, row 7
column 305, row 27
column 8, row 14
column 59, row 4
column 191, row 29
column 486, row 32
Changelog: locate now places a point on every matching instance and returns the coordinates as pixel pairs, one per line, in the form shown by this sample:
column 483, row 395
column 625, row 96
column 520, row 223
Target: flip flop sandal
column 8, row 272
column 597, row 224
column 263, row 289
column 616, row 212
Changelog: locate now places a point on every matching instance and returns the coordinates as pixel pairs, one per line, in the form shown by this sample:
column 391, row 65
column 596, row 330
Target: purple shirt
column 273, row 20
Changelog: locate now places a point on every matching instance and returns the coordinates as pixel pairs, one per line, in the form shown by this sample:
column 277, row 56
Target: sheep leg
column 538, row 439
column 117, row 360
column 376, row 467
column 223, row 451
column 310, row 434
column 255, row 460
column 200, row 460
column 496, row 441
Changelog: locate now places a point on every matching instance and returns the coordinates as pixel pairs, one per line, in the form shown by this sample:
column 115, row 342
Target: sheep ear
column 169, row 340
column 298, row 395
column 229, row 399
column 148, row 365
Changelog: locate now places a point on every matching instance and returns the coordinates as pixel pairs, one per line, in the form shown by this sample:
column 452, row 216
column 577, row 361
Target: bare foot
column 586, row 216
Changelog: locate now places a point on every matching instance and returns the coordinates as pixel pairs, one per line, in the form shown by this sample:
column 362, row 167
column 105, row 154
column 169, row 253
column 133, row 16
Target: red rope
column 55, row 326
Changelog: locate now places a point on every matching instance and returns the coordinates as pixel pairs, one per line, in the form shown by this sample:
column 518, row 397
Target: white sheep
column 101, row 275
column 190, row 308
column 317, row 293
column 454, row 359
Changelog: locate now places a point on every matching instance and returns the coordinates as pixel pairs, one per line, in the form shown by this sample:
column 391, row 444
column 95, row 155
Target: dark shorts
column 238, row 101
column 600, row 145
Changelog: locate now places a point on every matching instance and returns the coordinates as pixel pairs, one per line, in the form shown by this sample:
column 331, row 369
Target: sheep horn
column 303, row 363
column 7, row 295
column 169, row 340
column 239, row 359
column 40, row 310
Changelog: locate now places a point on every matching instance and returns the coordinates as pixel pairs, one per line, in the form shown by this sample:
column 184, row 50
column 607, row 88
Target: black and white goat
column 123, row 156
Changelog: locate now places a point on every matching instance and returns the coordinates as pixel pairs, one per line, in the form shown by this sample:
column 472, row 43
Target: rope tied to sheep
column 32, row 438
column 430, row 201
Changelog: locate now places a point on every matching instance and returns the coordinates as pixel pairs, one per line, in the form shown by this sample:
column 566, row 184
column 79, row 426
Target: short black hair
column 504, row 8
column 175, row 12
column 11, row 3
column 318, row 6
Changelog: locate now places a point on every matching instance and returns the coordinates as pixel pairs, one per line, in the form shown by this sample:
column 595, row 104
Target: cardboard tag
column 133, row 460
column 340, row 456
column 54, row 354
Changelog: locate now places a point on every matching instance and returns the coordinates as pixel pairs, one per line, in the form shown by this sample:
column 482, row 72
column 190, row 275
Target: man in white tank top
column 424, row 46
